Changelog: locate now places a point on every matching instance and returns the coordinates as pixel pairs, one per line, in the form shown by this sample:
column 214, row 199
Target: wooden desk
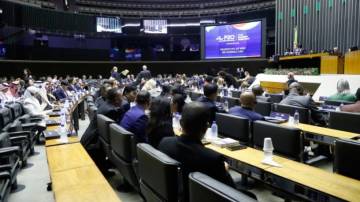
column 83, row 184
column 352, row 62
column 307, row 56
column 273, row 87
column 332, row 64
column 58, row 141
column 332, row 184
column 67, row 156
column 322, row 134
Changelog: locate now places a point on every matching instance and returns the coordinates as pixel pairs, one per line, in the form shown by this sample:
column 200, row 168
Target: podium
column 352, row 62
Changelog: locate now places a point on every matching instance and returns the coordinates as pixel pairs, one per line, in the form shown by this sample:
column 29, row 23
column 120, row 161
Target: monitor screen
column 239, row 40
column 108, row 24
column 155, row 26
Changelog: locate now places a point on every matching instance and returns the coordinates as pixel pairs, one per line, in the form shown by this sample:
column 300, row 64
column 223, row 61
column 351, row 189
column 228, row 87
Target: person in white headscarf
column 32, row 104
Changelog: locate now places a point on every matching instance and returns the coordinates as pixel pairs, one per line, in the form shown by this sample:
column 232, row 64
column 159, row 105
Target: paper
column 271, row 163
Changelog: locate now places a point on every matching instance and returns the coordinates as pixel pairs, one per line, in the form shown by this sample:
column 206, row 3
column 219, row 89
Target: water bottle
column 296, row 118
column 226, row 105
column 66, row 104
column 214, row 130
column 63, row 123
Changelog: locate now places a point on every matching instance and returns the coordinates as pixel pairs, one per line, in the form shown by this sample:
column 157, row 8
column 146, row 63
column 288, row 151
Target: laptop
column 277, row 117
column 51, row 122
column 51, row 135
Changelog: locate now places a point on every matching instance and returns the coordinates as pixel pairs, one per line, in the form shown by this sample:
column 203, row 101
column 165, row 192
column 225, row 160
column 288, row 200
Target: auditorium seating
column 159, row 175
column 347, row 158
column 304, row 115
column 205, row 188
column 123, row 154
column 336, row 103
column 263, row 108
column 233, row 126
column 287, row 141
column 103, row 124
column 345, row 121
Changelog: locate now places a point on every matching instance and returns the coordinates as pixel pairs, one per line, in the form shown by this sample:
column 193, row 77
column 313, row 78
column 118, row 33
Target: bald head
column 247, row 99
column 291, row 75
column 295, row 87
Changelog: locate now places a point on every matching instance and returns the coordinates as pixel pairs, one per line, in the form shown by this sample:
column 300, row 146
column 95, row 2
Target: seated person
column 135, row 120
column 129, row 95
column 177, row 103
column 343, row 92
column 258, row 92
column 353, row 107
column 296, row 98
column 160, row 122
column 291, row 78
column 209, row 98
column 190, row 152
column 248, row 102
column 61, row 91
column 102, row 98
column 32, row 104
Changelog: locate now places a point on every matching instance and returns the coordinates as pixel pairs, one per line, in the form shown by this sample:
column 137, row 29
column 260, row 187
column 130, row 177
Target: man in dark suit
column 135, row 120
column 258, row 92
column 209, row 98
column 188, row 149
column 248, row 101
column 144, row 74
column 129, row 95
column 90, row 140
column 61, row 91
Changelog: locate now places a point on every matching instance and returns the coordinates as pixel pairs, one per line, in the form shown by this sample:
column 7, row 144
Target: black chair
column 235, row 94
column 159, row 175
column 5, row 185
column 275, row 98
column 337, row 102
column 205, row 188
column 347, row 158
column 123, row 154
column 263, row 108
column 304, row 114
column 103, row 123
column 92, row 112
column 287, row 141
column 233, row 126
column 345, row 121
column 194, row 96
column 232, row 101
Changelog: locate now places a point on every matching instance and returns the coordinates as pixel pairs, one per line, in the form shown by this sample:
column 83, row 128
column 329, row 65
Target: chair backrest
column 235, row 93
column 336, row 102
column 287, row 141
column 159, row 174
column 347, row 158
column 92, row 112
column 346, row 121
column 122, row 142
column 103, row 123
column 205, row 188
column 233, row 126
column 16, row 110
column 275, row 98
column 194, row 96
column 263, row 108
column 5, row 117
column 232, row 101
column 304, row 114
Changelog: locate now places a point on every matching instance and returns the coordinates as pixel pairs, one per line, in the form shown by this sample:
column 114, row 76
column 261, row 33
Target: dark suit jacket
column 210, row 105
column 60, row 94
column 90, row 138
column 143, row 74
column 158, row 133
column 135, row 121
column 125, row 104
column 245, row 113
column 193, row 157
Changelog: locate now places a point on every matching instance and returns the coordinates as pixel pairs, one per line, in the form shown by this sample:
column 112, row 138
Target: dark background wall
column 43, row 68
column 322, row 24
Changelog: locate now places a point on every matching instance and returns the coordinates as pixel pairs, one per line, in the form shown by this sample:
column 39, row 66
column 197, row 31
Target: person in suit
column 62, row 91
column 258, row 92
column 129, row 95
column 353, row 107
column 248, row 102
column 209, row 98
column 135, row 120
column 296, row 98
column 144, row 74
column 115, row 73
column 102, row 98
column 90, row 139
column 189, row 150
column 160, row 122
column 177, row 103
column 229, row 79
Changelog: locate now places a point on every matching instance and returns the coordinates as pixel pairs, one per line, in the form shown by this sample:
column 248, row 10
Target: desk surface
column 330, row 183
column 307, row 56
column 82, row 184
column 58, row 141
column 67, row 156
column 324, row 131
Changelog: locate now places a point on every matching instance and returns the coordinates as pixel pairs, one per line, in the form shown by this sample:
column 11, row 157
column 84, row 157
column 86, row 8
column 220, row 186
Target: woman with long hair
column 160, row 123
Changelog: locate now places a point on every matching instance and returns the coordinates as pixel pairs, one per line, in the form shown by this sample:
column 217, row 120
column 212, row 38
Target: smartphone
column 236, row 147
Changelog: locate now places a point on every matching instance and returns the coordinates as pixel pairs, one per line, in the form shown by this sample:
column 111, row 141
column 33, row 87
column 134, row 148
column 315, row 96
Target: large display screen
column 155, row 26
column 108, row 24
column 240, row 40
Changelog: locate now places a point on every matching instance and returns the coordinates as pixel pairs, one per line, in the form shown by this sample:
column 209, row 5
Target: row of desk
column 74, row 175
